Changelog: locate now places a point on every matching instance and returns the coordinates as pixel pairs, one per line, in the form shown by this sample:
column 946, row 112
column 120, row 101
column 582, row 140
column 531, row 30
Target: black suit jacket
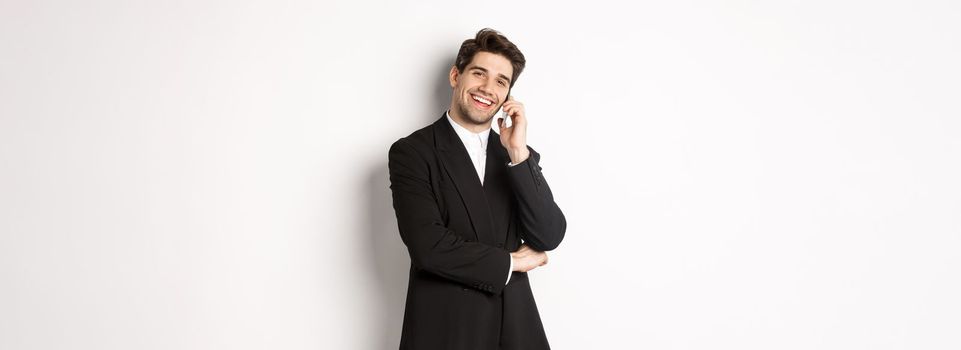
column 459, row 235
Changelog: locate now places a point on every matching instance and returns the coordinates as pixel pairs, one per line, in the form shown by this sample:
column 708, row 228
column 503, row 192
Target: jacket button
column 500, row 245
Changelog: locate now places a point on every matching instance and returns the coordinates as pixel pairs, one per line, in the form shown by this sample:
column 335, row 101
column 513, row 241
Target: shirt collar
column 466, row 136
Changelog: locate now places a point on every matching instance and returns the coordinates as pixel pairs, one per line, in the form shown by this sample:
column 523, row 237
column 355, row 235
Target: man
column 465, row 198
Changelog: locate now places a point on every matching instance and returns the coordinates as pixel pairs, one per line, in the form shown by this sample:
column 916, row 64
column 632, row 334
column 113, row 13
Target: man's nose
column 488, row 87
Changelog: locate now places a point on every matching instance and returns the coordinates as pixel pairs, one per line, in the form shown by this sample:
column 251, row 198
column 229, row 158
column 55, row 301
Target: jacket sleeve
column 542, row 224
column 432, row 246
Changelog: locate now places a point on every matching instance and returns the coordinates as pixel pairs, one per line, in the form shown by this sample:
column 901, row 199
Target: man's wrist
column 518, row 155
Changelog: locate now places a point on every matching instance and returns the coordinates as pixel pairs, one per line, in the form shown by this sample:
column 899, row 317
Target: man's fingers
column 512, row 107
column 531, row 256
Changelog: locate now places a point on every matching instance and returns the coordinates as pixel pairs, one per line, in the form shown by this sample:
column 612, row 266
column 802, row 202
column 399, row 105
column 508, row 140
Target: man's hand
column 526, row 258
column 514, row 138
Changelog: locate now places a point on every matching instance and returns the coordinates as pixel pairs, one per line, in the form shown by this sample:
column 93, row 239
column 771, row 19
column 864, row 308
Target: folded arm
column 432, row 246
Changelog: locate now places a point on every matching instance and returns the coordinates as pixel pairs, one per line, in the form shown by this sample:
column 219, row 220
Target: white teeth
column 483, row 100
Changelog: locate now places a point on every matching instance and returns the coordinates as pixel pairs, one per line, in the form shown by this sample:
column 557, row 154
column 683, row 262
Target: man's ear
column 454, row 74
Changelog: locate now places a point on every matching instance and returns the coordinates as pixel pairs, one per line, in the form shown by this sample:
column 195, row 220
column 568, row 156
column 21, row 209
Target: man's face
column 480, row 90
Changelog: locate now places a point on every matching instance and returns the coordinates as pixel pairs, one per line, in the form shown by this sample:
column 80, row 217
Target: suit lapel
column 498, row 191
column 456, row 162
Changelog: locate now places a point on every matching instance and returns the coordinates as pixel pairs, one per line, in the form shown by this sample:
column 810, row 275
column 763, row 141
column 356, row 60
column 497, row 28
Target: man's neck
column 466, row 123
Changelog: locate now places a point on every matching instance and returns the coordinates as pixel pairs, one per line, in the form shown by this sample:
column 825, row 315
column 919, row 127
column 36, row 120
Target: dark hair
column 489, row 40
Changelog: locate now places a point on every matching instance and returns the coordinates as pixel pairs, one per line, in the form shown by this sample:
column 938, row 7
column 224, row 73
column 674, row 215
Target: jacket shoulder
column 423, row 137
column 419, row 142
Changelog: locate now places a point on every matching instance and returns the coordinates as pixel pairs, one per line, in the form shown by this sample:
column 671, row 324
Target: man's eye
column 502, row 83
column 477, row 73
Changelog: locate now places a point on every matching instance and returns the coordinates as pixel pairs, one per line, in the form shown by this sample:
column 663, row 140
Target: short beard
column 470, row 117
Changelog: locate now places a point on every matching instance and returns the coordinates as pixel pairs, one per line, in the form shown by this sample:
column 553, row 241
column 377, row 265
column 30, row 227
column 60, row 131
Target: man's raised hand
column 514, row 138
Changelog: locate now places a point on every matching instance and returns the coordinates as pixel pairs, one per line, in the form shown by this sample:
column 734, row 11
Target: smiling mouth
column 481, row 102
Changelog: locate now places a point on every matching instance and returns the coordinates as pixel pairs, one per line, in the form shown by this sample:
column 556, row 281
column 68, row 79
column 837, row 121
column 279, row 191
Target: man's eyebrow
column 486, row 71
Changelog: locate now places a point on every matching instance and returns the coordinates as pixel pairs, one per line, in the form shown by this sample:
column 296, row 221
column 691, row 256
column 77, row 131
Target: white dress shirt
column 476, row 145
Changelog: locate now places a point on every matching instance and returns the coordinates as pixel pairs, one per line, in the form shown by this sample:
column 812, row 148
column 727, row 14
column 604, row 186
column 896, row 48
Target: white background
column 736, row 175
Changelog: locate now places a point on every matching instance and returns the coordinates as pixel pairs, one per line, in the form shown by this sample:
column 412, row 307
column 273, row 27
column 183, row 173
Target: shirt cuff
column 510, row 270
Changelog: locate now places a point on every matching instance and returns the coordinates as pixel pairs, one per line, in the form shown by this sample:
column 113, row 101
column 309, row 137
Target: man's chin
column 476, row 116
column 481, row 119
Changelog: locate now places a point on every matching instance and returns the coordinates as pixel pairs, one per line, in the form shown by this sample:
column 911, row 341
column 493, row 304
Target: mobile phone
column 507, row 118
